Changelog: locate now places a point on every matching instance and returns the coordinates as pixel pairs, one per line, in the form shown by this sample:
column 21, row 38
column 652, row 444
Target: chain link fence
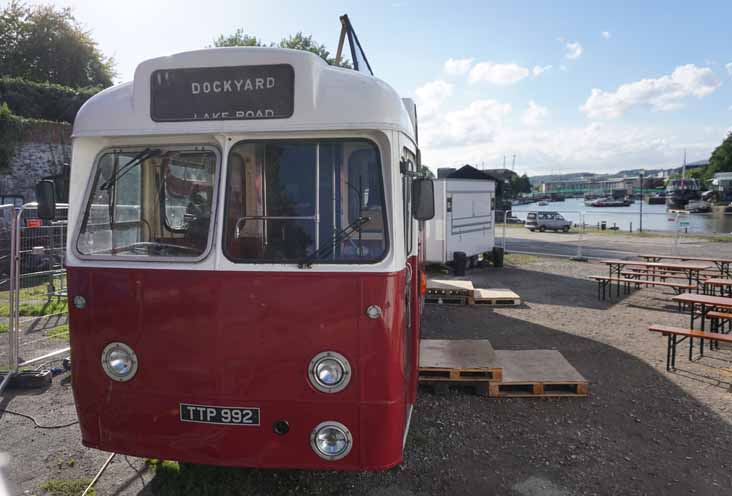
column 33, row 287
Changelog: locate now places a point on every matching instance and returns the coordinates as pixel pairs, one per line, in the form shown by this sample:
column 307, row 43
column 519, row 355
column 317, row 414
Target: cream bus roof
column 325, row 98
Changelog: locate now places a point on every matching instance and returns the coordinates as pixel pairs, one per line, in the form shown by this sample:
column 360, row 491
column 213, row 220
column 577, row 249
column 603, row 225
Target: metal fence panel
column 41, row 312
column 7, row 222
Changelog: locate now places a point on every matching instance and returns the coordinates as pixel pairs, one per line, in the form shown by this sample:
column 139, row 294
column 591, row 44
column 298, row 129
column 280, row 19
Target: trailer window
column 288, row 201
column 150, row 203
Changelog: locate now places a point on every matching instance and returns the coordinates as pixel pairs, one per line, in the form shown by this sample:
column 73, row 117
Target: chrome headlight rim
column 334, row 425
column 111, row 373
column 313, row 372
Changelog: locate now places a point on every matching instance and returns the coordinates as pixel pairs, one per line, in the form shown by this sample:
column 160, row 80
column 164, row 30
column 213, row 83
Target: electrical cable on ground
column 38, row 426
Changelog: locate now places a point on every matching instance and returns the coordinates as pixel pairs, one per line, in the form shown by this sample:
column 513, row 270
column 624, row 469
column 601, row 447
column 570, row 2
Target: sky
column 550, row 86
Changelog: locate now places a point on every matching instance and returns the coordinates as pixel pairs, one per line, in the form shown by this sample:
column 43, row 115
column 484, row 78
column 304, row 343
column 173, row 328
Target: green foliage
column 301, row 42
column 426, row 172
column 721, row 159
column 11, row 130
column 238, row 38
column 47, row 101
column 298, row 41
column 45, row 43
column 520, row 184
column 66, row 487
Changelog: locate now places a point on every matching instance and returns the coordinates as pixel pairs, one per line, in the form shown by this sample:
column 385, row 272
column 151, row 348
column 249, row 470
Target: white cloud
column 606, row 35
column 430, row 96
column 729, row 68
column 457, row 67
column 574, row 49
column 596, row 147
column 474, row 124
column 534, row 114
column 497, row 73
column 662, row 94
column 539, row 70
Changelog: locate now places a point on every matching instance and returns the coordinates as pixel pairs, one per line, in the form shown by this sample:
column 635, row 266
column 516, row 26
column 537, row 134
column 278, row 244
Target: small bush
column 66, row 487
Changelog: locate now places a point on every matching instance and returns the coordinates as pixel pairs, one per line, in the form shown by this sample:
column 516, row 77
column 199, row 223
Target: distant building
column 722, row 186
column 603, row 185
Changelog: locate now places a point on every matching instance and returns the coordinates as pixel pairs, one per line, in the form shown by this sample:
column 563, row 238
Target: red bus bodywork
column 245, row 339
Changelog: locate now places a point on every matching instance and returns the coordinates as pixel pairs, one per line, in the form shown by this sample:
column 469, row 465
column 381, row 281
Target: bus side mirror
column 423, row 198
column 46, row 197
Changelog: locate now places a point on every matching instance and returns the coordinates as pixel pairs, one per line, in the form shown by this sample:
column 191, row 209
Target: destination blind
column 222, row 93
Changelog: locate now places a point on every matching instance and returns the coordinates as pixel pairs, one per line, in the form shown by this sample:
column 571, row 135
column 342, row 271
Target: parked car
column 543, row 221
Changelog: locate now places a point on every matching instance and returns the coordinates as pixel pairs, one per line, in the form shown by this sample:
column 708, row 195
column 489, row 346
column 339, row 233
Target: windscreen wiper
column 339, row 236
column 140, row 157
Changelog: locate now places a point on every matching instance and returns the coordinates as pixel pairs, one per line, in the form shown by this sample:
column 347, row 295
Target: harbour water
column 655, row 217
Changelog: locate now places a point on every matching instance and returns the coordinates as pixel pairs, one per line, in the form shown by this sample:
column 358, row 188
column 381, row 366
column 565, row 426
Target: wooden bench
column 718, row 320
column 673, row 333
column 604, row 281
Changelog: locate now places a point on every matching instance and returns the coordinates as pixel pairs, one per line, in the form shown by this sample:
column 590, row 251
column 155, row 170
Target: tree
column 721, row 159
column 426, row 172
column 47, row 44
column 306, row 43
column 298, row 41
column 520, row 184
column 239, row 38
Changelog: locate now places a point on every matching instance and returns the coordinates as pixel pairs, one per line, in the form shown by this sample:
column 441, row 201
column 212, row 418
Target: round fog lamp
column 329, row 372
column 119, row 361
column 331, row 440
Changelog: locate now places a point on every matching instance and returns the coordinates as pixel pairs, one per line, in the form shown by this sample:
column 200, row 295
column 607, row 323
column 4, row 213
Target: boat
column 609, row 202
column 698, row 207
column 543, row 203
column 679, row 192
column 657, row 199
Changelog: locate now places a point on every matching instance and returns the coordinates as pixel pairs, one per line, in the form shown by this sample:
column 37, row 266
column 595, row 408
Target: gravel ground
column 641, row 430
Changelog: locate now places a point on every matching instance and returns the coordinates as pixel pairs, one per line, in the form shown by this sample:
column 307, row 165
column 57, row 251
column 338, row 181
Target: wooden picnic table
column 724, row 285
column 692, row 271
column 724, row 265
column 699, row 306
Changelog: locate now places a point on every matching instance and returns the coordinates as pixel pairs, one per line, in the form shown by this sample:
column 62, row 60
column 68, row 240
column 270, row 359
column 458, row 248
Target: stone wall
column 43, row 150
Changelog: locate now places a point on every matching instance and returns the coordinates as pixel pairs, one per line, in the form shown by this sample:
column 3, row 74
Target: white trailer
column 464, row 219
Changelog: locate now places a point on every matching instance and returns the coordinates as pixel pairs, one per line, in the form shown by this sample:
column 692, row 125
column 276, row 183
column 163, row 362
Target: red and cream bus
column 244, row 262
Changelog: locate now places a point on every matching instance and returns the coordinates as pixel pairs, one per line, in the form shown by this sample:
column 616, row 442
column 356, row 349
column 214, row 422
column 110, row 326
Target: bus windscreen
column 150, row 205
column 289, row 201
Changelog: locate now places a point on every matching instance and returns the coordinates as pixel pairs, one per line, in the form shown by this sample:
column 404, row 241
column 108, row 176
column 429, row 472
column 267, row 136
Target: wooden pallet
column 448, row 287
column 495, row 297
column 536, row 373
column 459, row 360
column 446, row 300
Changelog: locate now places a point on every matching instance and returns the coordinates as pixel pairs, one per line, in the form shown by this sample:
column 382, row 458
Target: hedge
column 47, row 101
column 12, row 128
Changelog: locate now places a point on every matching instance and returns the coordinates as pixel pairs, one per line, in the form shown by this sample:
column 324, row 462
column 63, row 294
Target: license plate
column 226, row 415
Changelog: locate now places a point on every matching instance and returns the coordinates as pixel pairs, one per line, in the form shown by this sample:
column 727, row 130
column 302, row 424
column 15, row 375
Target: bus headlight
column 329, row 372
column 331, row 440
column 119, row 361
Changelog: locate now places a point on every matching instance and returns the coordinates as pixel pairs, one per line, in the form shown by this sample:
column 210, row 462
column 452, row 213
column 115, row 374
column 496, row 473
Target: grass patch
column 3, row 327
column 520, row 259
column 56, row 305
column 60, row 332
column 66, row 487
